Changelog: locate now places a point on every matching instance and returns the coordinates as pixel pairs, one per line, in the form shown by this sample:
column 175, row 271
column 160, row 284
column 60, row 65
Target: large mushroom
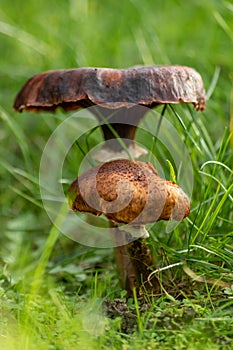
column 130, row 193
column 116, row 93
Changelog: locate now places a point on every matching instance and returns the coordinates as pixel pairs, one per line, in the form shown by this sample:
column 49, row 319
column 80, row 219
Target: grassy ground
column 52, row 288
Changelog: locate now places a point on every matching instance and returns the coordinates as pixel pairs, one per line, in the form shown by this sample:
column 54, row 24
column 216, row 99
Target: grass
column 53, row 290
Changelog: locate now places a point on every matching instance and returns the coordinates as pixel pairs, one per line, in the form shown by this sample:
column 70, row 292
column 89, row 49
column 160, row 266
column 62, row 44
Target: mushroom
column 130, row 193
column 116, row 93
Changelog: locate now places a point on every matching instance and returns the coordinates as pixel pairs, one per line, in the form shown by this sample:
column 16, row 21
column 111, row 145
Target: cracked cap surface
column 111, row 88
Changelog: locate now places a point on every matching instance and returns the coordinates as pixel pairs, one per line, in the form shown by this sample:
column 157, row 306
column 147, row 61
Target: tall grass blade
column 19, row 135
column 143, row 48
column 116, row 135
column 213, row 83
column 49, row 245
column 223, row 24
column 185, row 128
column 25, row 38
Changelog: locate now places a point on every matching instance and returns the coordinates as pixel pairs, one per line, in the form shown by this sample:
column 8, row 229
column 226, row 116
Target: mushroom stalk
column 123, row 261
column 123, row 120
column 142, row 262
column 134, row 262
column 119, row 127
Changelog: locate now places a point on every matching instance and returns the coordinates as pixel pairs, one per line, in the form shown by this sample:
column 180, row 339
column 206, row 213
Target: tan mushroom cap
column 111, row 88
column 135, row 187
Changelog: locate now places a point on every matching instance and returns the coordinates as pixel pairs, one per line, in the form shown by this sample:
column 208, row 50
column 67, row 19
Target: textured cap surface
column 128, row 192
column 111, row 88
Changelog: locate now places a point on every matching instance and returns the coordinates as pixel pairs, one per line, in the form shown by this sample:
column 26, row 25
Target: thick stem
column 126, row 270
column 142, row 262
column 134, row 261
column 124, row 264
column 123, row 120
column 125, row 131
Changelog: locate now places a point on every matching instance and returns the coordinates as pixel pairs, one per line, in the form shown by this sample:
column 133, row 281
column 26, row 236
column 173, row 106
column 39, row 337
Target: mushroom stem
column 119, row 127
column 124, row 264
column 123, row 121
column 142, row 261
column 134, row 261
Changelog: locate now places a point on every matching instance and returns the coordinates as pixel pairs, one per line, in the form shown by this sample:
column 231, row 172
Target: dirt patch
column 129, row 319
column 118, row 308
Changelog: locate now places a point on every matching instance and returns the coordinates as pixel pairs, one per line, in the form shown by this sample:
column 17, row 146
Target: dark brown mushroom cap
column 128, row 192
column 111, row 88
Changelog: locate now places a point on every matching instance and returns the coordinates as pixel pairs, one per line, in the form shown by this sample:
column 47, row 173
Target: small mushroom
column 116, row 94
column 131, row 193
column 128, row 192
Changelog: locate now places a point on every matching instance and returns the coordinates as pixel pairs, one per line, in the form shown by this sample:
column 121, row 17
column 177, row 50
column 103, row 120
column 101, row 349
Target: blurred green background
column 37, row 36
column 44, row 35
column 41, row 35
column 52, row 34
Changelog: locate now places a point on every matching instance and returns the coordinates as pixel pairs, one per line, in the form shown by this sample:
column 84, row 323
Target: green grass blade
column 217, row 210
column 19, row 135
column 25, row 38
column 207, row 215
column 27, row 197
column 213, row 83
column 116, row 135
column 48, row 247
column 223, row 24
column 188, row 134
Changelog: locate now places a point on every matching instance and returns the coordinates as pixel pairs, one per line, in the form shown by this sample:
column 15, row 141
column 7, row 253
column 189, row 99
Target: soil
column 129, row 320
